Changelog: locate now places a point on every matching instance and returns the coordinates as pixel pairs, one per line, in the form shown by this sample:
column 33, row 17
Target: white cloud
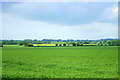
column 111, row 13
column 115, row 10
column 64, row 13
column 16, row 28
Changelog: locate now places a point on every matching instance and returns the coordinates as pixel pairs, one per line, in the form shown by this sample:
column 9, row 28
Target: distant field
column 60, row 62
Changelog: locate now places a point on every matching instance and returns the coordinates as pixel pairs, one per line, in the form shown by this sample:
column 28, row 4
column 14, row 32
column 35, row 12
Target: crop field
column 60, row 62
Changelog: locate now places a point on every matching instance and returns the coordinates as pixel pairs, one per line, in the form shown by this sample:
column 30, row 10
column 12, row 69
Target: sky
column 59, row 20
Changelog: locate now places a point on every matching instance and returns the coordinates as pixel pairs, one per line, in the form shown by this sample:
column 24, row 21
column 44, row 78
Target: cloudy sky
column 59, row 20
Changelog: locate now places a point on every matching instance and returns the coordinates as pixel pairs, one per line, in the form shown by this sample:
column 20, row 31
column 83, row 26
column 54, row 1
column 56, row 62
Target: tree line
column 73, row 43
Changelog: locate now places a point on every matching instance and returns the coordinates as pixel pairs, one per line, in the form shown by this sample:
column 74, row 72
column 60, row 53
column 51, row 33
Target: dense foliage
column 64, row 42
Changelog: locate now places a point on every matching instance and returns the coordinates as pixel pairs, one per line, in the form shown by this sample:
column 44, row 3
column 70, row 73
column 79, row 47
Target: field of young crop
column 60, row 62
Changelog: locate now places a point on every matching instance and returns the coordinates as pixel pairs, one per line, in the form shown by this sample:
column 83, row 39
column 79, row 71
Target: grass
column 60, row 62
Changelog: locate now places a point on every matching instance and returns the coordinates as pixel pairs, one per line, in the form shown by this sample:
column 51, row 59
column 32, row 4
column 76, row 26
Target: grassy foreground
column 60, row 62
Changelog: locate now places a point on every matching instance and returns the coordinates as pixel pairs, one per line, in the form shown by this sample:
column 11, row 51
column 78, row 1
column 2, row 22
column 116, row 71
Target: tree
column 100, row 44
column 37, row 42
column 56, row 44
column 60, row 44
column 64, row 44
column 21, row 42
column 86, row 42
column 73, row 43
column 30, row 45
column 26, row 43
column 79, row 44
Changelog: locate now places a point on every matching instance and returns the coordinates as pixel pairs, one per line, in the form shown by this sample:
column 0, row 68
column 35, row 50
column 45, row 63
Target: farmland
column 60, row 62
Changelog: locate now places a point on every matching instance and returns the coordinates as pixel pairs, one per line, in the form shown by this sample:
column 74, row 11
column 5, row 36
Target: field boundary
column 60, row 79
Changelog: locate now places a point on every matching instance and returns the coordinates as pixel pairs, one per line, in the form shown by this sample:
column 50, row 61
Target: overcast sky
column 59, row 20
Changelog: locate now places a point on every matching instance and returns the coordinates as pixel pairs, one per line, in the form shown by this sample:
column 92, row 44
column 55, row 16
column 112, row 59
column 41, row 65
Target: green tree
column 79, row 44
column 64, row 44
column 100, row 44
column 73, row 43
column 60, row 44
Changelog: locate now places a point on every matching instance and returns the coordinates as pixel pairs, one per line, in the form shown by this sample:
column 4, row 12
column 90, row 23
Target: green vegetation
column 1, row 44
column 60, row 62
column 29, row 43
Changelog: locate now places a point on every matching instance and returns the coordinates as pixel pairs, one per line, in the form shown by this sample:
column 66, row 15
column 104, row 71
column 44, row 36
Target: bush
column 79, row 44
column 30, row 45
column 60, row 44
column 56, row 44
column 64, row 44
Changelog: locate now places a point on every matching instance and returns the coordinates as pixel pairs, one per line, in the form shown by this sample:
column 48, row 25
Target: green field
column 60, row 62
